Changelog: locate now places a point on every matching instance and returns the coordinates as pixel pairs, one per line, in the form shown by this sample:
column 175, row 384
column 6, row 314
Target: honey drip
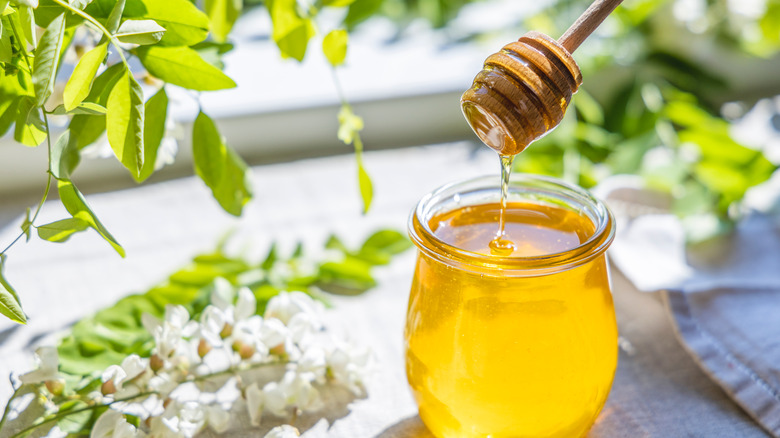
column 501, row 245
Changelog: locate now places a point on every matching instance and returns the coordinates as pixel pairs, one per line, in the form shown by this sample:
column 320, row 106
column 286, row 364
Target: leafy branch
column 178, row 44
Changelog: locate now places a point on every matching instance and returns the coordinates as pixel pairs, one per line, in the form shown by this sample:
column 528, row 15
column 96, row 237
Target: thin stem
column 337, row 83
column 97, row 24
column 235, row 370
column 58, row 416
column 26, row 227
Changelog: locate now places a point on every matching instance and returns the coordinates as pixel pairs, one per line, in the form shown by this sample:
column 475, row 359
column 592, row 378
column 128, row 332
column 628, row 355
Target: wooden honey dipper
column 523, row 90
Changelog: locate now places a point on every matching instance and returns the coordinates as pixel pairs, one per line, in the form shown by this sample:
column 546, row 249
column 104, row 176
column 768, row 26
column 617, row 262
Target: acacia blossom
column 203, row 371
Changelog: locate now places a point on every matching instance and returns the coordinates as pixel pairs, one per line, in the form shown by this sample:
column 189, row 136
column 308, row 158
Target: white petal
column 105, row 425
column 228, row 394
column 150, row 323
column 246, row 305
column 115, row 373
column 133, row 365
column 176, row 315
column 274, row 332
column 218, row 418
column 223, row 293
column 275, row 398
column 48, row 362
column 254, row 403
column 284, row 431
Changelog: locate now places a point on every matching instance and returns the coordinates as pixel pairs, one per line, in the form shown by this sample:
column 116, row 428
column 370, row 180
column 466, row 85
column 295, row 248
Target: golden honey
column 521, row 345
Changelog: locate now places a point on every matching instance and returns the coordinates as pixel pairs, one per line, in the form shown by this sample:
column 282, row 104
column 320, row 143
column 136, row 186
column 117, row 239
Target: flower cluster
column 276, row 363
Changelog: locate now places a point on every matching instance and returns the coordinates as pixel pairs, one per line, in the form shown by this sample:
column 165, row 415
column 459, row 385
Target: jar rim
column 603, row 220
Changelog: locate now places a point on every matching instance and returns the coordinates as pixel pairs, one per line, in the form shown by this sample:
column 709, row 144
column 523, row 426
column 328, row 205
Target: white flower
column 48, row 363
column 296, row 390
column 149, row 407
column 274, row 333
column 246, row 305
column 349, row 366
column 132, row 369
column 312, row 361
column 303, row 326
column 184, row 419
column 112, row 424
column 286, row 304
column 283, row 431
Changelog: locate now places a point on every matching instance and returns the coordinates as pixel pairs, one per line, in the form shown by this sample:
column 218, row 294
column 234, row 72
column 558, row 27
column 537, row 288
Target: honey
column 521, row 344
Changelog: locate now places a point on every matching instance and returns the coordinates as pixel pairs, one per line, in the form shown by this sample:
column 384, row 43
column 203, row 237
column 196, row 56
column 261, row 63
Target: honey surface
column 496, row 356
column 534, row 229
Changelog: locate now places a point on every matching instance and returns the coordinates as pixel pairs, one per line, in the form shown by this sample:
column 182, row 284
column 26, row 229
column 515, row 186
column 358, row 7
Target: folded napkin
column 723, row 298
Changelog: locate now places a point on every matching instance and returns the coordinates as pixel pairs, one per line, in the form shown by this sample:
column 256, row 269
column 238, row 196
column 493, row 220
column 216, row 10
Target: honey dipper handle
column 587, row 23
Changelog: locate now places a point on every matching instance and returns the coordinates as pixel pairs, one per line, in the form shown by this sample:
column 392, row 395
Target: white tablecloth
column 658, row 392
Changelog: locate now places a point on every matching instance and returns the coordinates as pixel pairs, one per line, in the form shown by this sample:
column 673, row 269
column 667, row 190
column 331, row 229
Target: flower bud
column 156, row 363
column 56, row 387
column 244, row 350
column 203, row 348
column 227, row 330
column 108, row 387
column 279, row 350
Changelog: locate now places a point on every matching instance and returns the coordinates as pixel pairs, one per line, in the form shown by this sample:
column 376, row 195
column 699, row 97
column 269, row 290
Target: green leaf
column 75, row 203
column 4, row 5
column 588, row 107
column 222, row 15
column 125, row 123
column 366, row 187
column 9, row 300
column 47, row 57
column 156, row 113
column 223, row 171
column 208, row 150
column 29, row 130
column 389, row 241
column 27, row 23
column 271, row 258
column 87, row 129
column 112, row 24
column 234, row 188
column 291, row 32
column 334, row 46
column 61, row 230
column 64, row 156
column 360, row 10
column 6, row 49
column 80, row 82
column 184, row 67
column 185, row 24
column 337, row 3
column 140, row 32
column 75, row 422
column 84, row 108
column 27, row 225
column 212, row 52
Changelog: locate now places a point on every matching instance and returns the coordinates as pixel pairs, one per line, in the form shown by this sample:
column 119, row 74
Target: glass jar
column 519, row 346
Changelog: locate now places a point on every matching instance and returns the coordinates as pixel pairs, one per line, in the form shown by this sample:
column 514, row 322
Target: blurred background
column 680, row 93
